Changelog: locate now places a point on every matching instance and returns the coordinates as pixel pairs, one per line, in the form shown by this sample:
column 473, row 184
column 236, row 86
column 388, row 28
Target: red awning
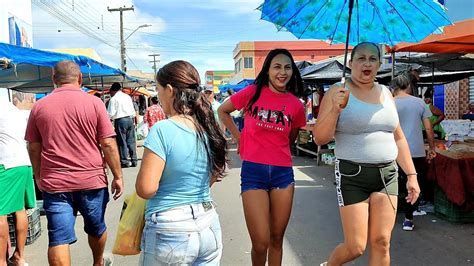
column 456, row 38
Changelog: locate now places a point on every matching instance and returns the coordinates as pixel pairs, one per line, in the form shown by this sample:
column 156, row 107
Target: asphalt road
column 314, row 229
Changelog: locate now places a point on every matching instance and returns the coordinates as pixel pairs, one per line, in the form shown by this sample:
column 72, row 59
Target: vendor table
column 319, row 150
column 453, row 171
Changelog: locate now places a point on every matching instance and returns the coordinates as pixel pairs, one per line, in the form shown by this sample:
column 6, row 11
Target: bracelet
column 412, row 174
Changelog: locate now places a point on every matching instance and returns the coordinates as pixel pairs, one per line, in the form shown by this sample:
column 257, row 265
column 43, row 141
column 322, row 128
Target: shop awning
column 456, row 38
column 29, row 70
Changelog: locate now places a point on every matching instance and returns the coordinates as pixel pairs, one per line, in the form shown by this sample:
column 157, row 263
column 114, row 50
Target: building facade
column 249, row 56
column 215, row 78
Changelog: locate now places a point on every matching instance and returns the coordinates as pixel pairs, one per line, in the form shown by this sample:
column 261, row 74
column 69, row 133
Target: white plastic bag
column 142, row 130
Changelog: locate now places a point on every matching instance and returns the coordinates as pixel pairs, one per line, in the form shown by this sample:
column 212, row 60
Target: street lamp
column 122, row 46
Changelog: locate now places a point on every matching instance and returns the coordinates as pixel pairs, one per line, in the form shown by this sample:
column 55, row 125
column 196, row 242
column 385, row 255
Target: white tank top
column 364, row 131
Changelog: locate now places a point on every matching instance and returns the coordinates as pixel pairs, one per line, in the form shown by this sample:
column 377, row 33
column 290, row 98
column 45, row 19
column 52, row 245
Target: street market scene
column 256, row 132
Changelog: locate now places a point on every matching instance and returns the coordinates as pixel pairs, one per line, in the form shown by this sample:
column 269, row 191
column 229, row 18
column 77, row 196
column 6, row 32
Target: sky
column 203, row 32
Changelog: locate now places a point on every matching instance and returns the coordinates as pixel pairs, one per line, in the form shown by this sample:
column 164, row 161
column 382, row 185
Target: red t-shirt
column 69, row 124
column 265, row 136
column 153, row 114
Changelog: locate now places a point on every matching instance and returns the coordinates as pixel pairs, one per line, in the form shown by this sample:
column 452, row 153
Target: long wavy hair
column 188, row 100
column 294, row 86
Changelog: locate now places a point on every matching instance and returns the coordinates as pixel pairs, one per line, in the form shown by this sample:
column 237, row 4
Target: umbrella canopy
column 428, row 76
column 129, row 91
column 302, row 64
column 379, row 21
column 444, row 62
column 457, row 38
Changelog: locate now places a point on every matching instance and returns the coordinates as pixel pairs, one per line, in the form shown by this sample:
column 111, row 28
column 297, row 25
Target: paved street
column 313, row 231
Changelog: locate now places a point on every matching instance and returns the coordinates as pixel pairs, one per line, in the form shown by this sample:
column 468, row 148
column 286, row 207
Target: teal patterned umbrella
column 354, row 21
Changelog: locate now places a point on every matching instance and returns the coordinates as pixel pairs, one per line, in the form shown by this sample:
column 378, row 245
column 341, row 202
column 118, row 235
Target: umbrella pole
column 432, row 77
column 393, row 65
column 346, row 48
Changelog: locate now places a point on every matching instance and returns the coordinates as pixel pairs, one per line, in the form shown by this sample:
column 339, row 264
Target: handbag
column 130, row 229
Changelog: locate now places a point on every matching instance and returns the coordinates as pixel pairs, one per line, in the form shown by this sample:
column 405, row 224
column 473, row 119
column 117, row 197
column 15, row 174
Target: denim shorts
column 61, row 211
column 264, row 176
column 185, row 235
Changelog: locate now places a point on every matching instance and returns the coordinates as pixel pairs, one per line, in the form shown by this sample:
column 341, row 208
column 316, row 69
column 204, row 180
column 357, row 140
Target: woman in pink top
column 272, row 117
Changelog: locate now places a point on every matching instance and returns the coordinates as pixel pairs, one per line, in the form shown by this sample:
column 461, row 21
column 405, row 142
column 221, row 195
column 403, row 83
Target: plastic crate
column 447, row 210
column 34, row 226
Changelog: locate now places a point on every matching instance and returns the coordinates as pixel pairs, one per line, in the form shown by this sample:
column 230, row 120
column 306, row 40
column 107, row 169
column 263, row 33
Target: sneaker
column 108, row 260
column 408, row 225
column 419, row 213
column 324, row 263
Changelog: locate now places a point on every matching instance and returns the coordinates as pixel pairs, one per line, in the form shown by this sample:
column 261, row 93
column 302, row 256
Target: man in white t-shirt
column 122, row 113
column 16, row 180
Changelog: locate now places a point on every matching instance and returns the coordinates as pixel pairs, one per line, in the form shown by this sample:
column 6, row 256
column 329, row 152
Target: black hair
column 188, row 100
column 360, row 45
column 294, row 86
column 115, row 86
column 154, row 100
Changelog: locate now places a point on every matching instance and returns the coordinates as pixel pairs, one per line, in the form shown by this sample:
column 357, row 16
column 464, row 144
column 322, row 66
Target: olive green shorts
column 356, row 181
column 17, row 189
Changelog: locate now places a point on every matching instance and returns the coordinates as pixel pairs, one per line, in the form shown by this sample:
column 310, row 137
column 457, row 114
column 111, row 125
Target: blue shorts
column 61, row 211
column 264, row 176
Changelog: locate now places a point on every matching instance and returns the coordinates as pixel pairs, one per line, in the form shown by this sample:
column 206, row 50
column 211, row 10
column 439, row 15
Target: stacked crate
column 34, row 226
column 447, row 210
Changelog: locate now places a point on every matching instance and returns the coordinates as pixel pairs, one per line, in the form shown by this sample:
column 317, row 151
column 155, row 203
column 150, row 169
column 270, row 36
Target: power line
column 66, row 18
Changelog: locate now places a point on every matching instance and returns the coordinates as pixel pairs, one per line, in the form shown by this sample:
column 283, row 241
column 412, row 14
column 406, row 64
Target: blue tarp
column 30, row 69
column 237, row 87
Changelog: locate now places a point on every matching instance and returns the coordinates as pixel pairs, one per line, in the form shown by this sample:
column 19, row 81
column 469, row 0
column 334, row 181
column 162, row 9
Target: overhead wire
column 65, row 17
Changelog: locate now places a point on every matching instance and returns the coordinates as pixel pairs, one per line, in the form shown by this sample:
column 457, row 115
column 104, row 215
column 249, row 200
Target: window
column 248, row 62
column 238, row 66
column 209, row 78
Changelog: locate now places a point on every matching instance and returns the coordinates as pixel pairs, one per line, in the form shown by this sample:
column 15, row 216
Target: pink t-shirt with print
column 265, row 136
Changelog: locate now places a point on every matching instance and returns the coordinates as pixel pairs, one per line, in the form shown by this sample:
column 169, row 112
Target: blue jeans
column 61, row 211
column 186, row 235
column 125, row 130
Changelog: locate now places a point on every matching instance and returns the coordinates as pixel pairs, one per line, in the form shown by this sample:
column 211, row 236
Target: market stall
column 452, row 170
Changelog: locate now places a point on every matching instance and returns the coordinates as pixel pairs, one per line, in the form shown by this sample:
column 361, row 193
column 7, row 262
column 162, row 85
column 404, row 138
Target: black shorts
column 356, row 181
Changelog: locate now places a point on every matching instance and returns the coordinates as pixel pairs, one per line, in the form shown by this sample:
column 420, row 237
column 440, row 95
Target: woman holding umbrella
column 370, row 142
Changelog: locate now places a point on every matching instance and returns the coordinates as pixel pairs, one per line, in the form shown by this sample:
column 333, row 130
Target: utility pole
column 154, row 61
column 123, row 61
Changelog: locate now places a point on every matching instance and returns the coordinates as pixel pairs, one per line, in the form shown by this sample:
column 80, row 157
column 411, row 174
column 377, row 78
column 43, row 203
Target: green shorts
column 356, row 181
column 17, row 189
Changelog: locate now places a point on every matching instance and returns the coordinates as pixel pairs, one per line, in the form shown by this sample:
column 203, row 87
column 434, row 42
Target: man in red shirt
column 67, row 133
column 154, row 113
